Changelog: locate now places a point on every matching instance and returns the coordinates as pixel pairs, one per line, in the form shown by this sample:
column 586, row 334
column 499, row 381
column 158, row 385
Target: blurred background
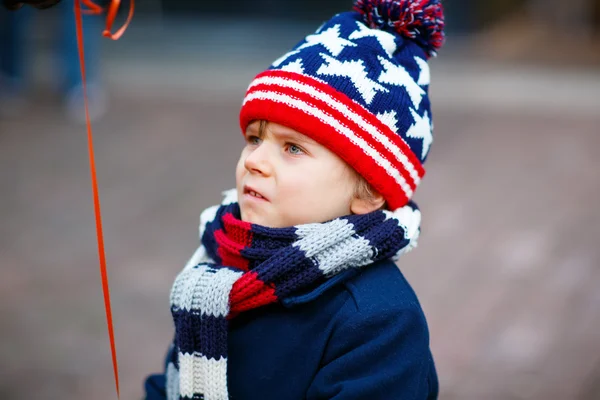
column 508, row 267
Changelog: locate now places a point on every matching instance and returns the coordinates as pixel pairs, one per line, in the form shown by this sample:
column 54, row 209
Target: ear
column 365, row 206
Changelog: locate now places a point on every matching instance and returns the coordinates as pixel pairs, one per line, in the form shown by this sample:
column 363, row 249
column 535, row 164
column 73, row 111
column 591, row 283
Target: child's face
column 300, row 180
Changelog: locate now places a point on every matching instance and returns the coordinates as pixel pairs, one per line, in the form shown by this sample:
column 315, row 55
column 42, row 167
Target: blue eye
column 293, row 149
column 253, row 140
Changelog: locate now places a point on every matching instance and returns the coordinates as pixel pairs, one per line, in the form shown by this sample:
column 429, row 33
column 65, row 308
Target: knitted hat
column 358, row 86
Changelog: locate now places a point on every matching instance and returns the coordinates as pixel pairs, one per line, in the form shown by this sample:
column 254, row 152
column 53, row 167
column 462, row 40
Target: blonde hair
column 365, row 191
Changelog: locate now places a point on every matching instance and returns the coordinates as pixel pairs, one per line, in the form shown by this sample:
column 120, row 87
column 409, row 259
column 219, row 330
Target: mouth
column 254, row 194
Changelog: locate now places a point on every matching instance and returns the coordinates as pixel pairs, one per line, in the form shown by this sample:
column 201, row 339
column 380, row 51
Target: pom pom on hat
column 420, row 20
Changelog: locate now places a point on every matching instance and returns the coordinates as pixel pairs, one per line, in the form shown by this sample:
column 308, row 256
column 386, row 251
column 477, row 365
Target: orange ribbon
column 93, row 8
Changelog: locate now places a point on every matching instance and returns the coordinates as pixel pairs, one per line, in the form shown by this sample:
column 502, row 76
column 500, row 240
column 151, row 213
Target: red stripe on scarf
column 249, row 292
column 231, row 244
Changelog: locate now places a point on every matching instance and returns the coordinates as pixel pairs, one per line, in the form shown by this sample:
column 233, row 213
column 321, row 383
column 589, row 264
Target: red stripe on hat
column 374, row 143
column 370, row 118
column 326, row 135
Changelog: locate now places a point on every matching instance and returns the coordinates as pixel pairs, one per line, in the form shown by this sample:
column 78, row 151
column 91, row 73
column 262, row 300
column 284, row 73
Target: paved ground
column 507, row 269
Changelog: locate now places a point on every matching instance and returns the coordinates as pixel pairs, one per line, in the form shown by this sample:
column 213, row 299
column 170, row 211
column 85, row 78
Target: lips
column 250, row 191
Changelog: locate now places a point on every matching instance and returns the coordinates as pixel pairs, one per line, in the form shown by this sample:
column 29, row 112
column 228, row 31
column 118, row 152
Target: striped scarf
column 240, row 266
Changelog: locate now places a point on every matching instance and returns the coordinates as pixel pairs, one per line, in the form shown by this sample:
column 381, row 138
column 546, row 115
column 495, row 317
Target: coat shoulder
column 382, row 287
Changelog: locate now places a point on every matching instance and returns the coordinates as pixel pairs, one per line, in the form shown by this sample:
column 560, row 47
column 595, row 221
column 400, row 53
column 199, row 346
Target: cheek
column 239, row 168
column 313, row 185
column 337, row 185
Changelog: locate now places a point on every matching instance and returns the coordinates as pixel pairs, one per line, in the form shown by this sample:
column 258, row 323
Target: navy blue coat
column 360, row 335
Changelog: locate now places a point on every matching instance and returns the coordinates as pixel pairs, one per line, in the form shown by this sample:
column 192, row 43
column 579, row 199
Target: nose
column 259, row 160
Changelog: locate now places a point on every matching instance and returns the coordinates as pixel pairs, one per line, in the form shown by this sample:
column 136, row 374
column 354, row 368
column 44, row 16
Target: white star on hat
column 355, row 70
column 385, row 39
column 424, row 76
column 330, row 38
column 295, row 66
column 389, row 118
column 421, row 129
column 284, row 57
column 396, row 75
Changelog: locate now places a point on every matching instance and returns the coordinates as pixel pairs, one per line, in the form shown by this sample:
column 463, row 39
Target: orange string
column 110, row 19
column 113, row 8
column 93, row 8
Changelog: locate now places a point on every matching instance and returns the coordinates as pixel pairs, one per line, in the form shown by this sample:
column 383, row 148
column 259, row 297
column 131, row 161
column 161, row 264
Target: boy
column 293, row 293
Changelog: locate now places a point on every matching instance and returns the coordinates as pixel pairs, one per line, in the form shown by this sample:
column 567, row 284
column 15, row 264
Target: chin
column 258, row 220
column 250, row 217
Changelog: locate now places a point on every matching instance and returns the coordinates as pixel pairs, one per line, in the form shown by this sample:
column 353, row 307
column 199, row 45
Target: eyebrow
column 297, row 137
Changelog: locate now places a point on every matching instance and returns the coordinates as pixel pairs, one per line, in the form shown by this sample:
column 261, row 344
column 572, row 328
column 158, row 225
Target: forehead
column 278, row 131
